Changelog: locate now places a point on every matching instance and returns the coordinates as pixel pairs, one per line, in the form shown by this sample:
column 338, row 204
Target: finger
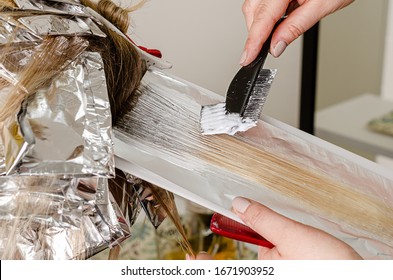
column 264, row 253
column 261, row 17
column 274, row 227
column 300, row 19
column 298, row 22
column 248, row 12
column 203, row 256
column 268, row 254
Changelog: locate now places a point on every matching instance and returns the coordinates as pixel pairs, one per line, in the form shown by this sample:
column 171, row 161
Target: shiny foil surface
column 60, row 218
column 54, row 6
column 75, row 134
column 56, row 152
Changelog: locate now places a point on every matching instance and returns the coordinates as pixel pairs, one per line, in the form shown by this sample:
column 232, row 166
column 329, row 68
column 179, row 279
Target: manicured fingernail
column 279, row 49
column 188, row 257
column 240, row 204
column 243, row 57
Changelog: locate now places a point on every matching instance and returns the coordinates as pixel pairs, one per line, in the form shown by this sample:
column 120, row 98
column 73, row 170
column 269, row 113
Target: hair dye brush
column 245, row 98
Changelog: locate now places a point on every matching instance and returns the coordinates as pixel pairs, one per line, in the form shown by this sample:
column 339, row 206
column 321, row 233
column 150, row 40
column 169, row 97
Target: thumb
column 269, row 224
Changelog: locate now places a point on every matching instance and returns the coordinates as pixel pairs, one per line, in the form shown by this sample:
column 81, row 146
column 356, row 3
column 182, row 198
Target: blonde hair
column 118, row 16
column 7, row 4
column 52, row 56
column 171, row 125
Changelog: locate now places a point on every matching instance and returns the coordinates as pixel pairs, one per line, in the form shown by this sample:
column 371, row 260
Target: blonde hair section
column 118, row 16
column 7, row 4
column 169, row 125
column 52, row 56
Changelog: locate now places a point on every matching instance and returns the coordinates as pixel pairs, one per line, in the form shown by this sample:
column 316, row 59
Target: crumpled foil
column 132, row 194
column 42, row 25
column 2, row 160
column 11, row 29
column 54, row 6
column 125, row 196
column 81, row 129
column 66, row 208
column 153, row 200
column 63, row 209
column 33, row 28
column 74, row 125
column 57, row 218
column 74, row 139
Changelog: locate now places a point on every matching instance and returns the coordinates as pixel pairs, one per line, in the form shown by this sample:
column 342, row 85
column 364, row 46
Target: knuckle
column 247, row 8
column 255, row 216
column 296, row 30
column 259, row 10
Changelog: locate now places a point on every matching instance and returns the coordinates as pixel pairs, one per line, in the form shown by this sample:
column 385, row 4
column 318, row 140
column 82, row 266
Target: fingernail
column 243, row 57
column 279, row 48
column 188, row 257
column 240, row 204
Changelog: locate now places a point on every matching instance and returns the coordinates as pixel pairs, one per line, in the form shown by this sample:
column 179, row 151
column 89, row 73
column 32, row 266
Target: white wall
column 350, row 54
column 387, row 74
column 204, row 40
column 387, row 70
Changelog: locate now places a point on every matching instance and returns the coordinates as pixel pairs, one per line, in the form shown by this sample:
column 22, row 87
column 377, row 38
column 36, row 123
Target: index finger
column 261, row 16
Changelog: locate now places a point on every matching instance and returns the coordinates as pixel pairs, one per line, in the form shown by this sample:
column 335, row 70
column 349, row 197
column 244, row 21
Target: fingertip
column 203, row 256
column 278, row 49
column 263, row 252
column 249, row 54
column 240, row 204
column 243, row 58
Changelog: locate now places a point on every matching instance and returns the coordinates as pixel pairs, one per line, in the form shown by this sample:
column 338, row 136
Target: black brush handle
column 240, row 89
column 259, row 61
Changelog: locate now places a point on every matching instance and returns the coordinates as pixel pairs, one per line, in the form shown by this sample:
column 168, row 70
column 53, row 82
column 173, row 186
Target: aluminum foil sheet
column 66, row 208
column 53, row 6
column 75, row 139
column 123, row 192
column 42, row 25
column 153, row 199
column 2, row 155
column 74, row 136
column 2, row 159
column 21, row 28
column 33, row 28
column 11, row 29
column 105, row 226
column 34, row 218
column 52, row 218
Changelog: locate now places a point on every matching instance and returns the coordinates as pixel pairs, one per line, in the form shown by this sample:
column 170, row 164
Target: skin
column 261, row 16
column 293, row 240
